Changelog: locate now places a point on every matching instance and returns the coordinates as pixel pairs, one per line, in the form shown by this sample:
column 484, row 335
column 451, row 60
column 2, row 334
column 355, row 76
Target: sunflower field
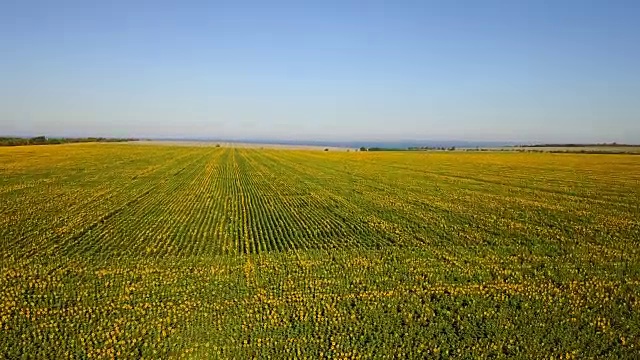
column 125, row 251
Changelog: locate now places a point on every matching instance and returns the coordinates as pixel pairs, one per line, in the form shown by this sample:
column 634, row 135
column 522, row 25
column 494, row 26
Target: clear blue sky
column 386, row 70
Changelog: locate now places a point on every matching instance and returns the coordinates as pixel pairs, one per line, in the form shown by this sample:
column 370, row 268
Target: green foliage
column 385, row 149
column 43, row 140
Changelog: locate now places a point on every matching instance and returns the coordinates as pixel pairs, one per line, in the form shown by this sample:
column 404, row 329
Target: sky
column 538, row 71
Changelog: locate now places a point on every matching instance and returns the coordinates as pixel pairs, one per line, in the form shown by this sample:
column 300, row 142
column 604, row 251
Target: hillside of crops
column 141, row 251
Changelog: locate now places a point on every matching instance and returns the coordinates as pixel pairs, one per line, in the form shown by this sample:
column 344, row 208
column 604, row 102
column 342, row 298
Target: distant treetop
column 43, row 140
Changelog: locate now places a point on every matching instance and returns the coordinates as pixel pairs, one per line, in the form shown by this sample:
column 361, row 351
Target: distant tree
column 363, row 149
column 38, row 140
column 217, row 145
column 326, row 149
column 43, row 140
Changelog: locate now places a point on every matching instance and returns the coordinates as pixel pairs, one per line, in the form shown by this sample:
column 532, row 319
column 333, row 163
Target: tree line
column 43, row 140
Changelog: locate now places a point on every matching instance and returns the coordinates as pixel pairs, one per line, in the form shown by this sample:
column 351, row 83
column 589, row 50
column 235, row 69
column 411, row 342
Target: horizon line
column 361, row 141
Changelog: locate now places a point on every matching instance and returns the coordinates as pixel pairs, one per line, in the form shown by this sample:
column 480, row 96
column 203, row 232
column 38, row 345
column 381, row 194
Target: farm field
column 145, row 251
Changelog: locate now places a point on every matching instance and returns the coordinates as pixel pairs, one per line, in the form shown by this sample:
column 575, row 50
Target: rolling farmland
column 144, row 251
